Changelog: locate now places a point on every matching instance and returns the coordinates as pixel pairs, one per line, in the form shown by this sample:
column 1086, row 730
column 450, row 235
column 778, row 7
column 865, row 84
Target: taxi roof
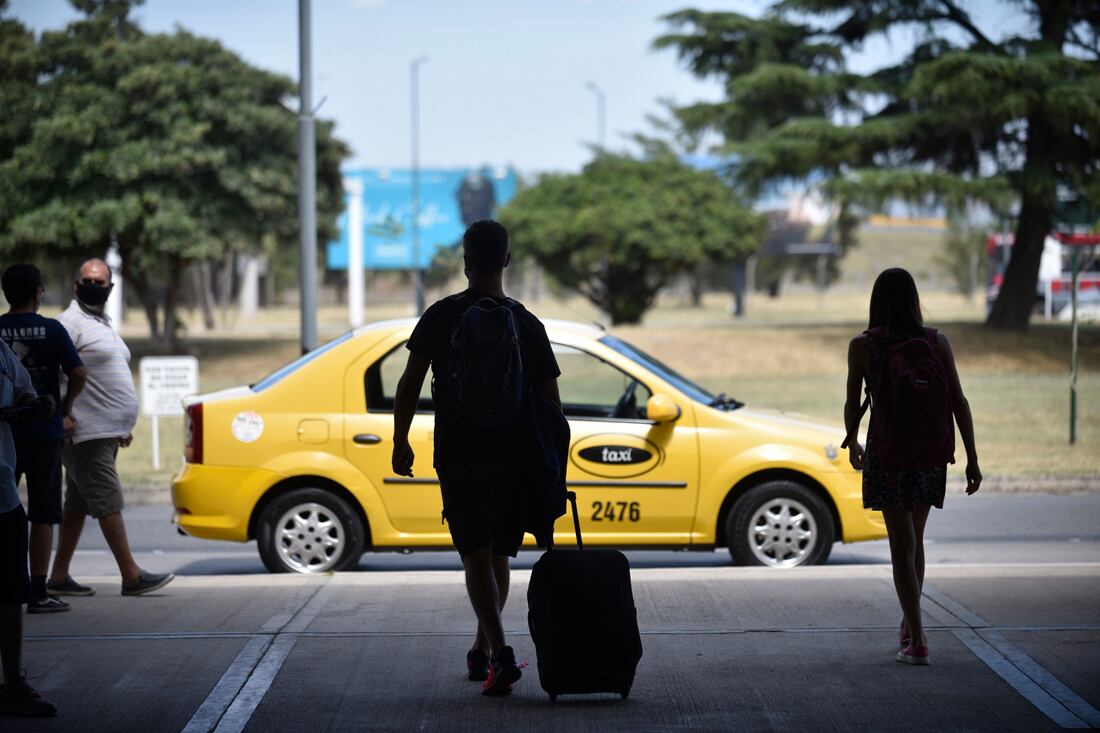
column 553, row 325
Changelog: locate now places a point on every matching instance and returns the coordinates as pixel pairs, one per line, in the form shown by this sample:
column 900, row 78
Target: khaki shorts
column 92, row 485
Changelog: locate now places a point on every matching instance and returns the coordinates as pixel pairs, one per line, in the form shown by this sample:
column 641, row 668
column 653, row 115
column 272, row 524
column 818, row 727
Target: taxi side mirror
column 661, row 408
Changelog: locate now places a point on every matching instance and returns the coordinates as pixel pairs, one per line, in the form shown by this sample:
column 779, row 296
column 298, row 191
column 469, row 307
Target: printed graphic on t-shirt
column 45, row 350
column 28, row 342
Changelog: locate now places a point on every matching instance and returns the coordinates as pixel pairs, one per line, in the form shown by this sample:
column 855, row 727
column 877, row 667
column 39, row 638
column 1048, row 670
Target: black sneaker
column 24, row 702
column 49, row 604
column 147, row 583
column 503, row 673
column 477, row 665
column 69, row 587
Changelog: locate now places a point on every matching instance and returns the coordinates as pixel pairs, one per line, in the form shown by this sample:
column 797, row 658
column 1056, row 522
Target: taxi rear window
column 298, row 363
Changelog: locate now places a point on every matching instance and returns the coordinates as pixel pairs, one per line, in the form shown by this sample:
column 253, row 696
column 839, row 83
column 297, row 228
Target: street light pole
column 307, row 184
column 601, row 114
column 414, row 231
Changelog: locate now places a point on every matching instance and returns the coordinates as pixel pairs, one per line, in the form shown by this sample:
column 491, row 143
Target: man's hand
column 855, row 455
column 126, row 440
column 403, row 458
column 973, row 478
column 68, row 424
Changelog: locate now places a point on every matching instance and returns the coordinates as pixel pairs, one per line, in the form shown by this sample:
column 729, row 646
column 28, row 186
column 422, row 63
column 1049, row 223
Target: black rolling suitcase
column 582, row 619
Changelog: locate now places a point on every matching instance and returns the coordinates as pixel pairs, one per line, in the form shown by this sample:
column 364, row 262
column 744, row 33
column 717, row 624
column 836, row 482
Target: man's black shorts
column 15, row 579
column 40, row 461
column 483, row 509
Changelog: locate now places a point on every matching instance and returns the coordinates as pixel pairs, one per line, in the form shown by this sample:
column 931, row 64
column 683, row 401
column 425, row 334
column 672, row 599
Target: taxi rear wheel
column 309, row 531
column 780, row 524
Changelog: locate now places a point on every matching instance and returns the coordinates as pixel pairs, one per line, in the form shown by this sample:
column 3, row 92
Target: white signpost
column 165, row 381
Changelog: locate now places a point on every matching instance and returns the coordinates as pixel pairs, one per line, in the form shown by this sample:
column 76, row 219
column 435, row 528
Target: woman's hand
column 855, row 455
column 973, row 477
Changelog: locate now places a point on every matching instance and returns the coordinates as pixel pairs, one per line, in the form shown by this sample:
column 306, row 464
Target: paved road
column 985, row 528
column 1014, row 647
column 1012, row 610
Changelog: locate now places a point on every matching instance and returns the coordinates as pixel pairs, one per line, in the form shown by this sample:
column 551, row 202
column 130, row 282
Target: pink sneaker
column 904, row 637
column 914, row 655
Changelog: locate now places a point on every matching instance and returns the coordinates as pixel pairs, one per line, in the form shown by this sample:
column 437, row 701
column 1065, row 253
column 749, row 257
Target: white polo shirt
column 108, row 405
column 15, row 383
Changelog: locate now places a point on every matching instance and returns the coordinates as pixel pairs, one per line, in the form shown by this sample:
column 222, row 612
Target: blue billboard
column 450, row 199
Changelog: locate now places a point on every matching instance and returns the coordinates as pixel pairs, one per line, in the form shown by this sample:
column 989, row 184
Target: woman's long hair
column 895, row 304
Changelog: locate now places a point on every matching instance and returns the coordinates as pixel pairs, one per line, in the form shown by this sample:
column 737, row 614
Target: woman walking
column 914, row 391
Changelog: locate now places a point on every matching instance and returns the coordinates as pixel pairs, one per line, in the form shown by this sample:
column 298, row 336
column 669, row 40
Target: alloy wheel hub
column 782, row 533
column 309, row 538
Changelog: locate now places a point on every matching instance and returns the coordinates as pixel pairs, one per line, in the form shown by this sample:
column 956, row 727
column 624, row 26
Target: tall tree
column 620, row 229
column 964, row 116
column 168, row 145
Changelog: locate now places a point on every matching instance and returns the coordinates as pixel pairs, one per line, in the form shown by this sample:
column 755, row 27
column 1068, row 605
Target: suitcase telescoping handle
column 572, row 497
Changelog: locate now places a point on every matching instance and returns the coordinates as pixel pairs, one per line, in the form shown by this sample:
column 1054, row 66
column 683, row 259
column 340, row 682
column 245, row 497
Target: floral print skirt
column 888, row 488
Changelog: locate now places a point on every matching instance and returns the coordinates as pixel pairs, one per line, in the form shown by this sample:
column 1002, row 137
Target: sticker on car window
column 248, row 427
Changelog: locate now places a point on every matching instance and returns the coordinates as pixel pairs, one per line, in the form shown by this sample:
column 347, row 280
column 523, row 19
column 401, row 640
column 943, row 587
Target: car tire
column 310, row 531
column 799, row 526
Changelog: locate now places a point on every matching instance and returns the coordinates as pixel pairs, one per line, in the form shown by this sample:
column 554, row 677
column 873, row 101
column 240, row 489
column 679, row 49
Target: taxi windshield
column 665, row 372
column 298, row 363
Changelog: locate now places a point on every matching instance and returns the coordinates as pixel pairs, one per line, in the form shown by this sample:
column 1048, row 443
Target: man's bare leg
column 502, row 573
column 114, row 531
column 481, row 585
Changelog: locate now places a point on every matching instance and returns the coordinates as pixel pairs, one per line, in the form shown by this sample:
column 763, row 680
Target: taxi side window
column 381, row 380
column 592, row 388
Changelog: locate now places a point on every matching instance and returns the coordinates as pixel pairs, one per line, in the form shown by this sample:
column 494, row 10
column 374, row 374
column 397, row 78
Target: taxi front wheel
column 780, row 524
column 309, row 531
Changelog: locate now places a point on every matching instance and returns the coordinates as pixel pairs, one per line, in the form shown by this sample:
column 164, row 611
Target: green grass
column 789, row 354
column 1021, row 420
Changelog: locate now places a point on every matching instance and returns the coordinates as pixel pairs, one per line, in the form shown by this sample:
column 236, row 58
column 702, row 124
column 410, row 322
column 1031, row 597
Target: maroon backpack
column 911, row 415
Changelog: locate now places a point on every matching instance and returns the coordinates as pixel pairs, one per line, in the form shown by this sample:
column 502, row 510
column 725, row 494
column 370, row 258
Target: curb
column 1060, row 485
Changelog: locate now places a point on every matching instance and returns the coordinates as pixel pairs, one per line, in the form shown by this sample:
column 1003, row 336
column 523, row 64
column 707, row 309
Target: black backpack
column 485, row 370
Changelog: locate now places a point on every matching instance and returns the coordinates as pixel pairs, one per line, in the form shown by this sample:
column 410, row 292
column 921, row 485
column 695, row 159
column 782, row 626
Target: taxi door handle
column 367, row 439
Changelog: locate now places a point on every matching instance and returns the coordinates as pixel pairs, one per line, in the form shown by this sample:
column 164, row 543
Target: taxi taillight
column 192, row 433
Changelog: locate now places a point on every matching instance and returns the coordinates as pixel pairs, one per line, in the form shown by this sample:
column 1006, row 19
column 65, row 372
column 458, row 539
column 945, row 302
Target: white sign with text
column 165, row 381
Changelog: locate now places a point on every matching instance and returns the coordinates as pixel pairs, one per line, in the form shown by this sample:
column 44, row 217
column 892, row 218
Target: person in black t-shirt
column 45, row 349
column 481, row 503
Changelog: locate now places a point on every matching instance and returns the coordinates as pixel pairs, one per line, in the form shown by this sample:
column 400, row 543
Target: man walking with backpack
column 486, row 351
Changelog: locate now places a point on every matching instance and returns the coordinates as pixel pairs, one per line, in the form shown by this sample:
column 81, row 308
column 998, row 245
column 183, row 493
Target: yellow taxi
column 300, row 461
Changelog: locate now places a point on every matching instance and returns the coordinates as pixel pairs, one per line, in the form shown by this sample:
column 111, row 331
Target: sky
column 505, row 81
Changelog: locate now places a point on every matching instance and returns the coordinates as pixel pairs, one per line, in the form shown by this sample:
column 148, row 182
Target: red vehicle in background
column 1052, row 290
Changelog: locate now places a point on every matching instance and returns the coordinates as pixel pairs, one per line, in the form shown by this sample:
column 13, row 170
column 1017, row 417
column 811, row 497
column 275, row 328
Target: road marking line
column 1054, row 687
column 1041, row 688
column 309, row 611
column 286, row 614
column 1019, row 681
column 221, row 697
column 248, row 698
column 197, row 635
column 230, row 705
column 956, row 609
column 140, row 636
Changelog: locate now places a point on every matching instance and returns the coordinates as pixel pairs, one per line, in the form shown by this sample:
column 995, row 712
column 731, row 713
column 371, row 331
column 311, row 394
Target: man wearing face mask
column 103, row 416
